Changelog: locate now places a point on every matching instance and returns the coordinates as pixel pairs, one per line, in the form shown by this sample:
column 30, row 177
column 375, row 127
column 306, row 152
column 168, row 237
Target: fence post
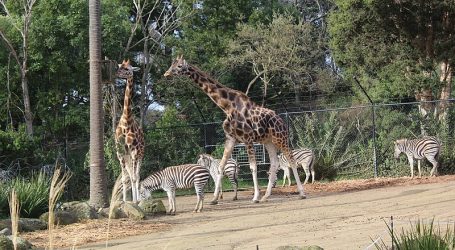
column 375, row 162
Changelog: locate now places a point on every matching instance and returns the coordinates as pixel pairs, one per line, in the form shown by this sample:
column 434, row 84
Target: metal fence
column 352, row 142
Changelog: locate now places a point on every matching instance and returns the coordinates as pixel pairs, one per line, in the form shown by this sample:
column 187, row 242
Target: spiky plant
column 57, row 186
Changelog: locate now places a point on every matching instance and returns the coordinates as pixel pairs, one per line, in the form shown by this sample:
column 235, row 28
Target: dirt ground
column 336, row 215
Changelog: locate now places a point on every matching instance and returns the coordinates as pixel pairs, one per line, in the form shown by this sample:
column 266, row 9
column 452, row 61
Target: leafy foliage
column 32, row 193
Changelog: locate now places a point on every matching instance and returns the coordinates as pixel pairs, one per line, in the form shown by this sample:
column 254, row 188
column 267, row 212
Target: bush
column 421, row 236
column 33, row 195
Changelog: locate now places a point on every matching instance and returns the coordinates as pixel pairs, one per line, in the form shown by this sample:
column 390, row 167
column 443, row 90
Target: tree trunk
column 98, row 188
column 446, row 79
column 27, row 107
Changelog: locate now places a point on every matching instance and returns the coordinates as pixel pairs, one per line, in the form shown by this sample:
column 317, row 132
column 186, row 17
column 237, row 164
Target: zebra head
column 144, row 193
column 204, row 160
column 398, row 147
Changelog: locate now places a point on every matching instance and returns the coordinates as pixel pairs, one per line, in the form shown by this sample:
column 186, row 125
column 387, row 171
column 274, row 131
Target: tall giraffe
column 129, row 137
column 245, row 122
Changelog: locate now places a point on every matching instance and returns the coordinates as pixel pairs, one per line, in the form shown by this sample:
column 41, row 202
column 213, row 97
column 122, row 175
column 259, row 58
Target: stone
column 6, row 243
column 152, row 206
column 22, row 244
column 313, row 247
column 5, row 231
column 82, row 210
column 61, row 218
column 30, row 224
column 133, row 211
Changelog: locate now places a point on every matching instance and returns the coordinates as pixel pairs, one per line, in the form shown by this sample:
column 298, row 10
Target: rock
column 30, row 225
column 133, row 211
column 117, row 212
column 300, row 248
column 152, row 206
column 82, row 210
column 6, row 243
column 61, row 218
column 6, row 232
column 22, row 244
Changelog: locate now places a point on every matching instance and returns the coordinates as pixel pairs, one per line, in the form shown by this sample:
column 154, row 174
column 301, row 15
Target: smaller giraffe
column 129, row 137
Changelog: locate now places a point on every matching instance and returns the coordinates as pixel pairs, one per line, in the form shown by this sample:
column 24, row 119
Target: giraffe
column 245, row 122
column 129, row 137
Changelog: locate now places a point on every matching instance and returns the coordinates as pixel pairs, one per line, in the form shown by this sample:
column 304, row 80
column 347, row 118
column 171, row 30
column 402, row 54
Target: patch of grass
column 32, row 195
column 421, row 236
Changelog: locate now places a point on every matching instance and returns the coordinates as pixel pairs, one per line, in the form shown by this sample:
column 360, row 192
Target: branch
column 254, row 79
column 11, row 48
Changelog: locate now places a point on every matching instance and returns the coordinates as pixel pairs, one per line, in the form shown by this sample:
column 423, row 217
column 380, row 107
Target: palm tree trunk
column 98, row 188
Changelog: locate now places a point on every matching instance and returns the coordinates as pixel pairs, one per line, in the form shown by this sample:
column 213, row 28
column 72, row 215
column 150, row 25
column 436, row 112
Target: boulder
column 61, row 218
column 25, row 224
column 81, row 210
column 117, row 212
column 22, row 244
column 30, row 224
column 152, row 206
column 133, row 211
column 6, row 232
column 6, row 243
column 313, row 247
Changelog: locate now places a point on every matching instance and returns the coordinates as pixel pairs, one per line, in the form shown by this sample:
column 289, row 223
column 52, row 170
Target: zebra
column 231, row 170
column 427, row 147
column 171, row 178
column 303, row 157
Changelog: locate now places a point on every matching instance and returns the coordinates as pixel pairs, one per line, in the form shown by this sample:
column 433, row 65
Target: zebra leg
column 173, row 202
column 312, row 176
column 228, row 147
column 411, row 163
column 284, row 177
column 287, row 153
column 169, row 200
column 221, row 187
column 254, row 171
column 200, row 202
column 434, row 170
column 271, row 149
column 418, row 168
column 307, row 174
column 235, row 185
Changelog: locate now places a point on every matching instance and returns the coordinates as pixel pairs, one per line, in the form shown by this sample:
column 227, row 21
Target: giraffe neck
column 221, row 95
column 127, row 111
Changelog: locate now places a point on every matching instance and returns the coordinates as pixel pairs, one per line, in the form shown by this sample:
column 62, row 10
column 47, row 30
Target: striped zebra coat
column 176, row 177
column 231, row 170
column 303, row 157
column 426, row 147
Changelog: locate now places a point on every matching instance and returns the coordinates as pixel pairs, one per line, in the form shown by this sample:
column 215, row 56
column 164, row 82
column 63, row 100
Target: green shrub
column 32, row 193
column 421, row 236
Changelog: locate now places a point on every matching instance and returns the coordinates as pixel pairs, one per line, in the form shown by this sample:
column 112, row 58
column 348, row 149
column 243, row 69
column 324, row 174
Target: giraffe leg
column 228, row 147
column 124, row 183
column 254, row 171
column 135, row 181
column 271, row 149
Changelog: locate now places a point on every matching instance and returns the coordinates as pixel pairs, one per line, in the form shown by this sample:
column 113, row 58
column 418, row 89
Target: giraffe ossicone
column 129, row 136
column 245, row 122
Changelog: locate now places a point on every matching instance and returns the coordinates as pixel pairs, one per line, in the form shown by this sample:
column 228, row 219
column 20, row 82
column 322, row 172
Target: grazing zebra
column 303, row 157
column 426, row 147
column 171, row 178
column 231, row 170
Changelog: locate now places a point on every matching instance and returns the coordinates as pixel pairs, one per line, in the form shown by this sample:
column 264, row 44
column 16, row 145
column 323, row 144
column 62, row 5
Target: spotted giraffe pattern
column 245, row 122
column 129, row 137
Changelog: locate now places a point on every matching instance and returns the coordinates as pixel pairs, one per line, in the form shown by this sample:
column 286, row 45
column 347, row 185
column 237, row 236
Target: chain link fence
column 352, row 142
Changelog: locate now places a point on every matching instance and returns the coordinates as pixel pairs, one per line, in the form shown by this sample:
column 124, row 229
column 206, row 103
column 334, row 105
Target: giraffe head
column 125, row 70
column 178, row 67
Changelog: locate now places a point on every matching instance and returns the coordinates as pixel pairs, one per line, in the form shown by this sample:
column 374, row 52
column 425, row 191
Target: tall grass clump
column 421, row 236
column 57, row 186
column 14, row 212
column 32, row 194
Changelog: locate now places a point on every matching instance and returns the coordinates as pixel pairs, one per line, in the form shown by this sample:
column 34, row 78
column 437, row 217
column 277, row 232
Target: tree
column 401, row 48
column 21, row 23
column 98, row 189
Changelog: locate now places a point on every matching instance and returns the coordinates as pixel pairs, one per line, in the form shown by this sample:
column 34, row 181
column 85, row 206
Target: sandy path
column 335, row 221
